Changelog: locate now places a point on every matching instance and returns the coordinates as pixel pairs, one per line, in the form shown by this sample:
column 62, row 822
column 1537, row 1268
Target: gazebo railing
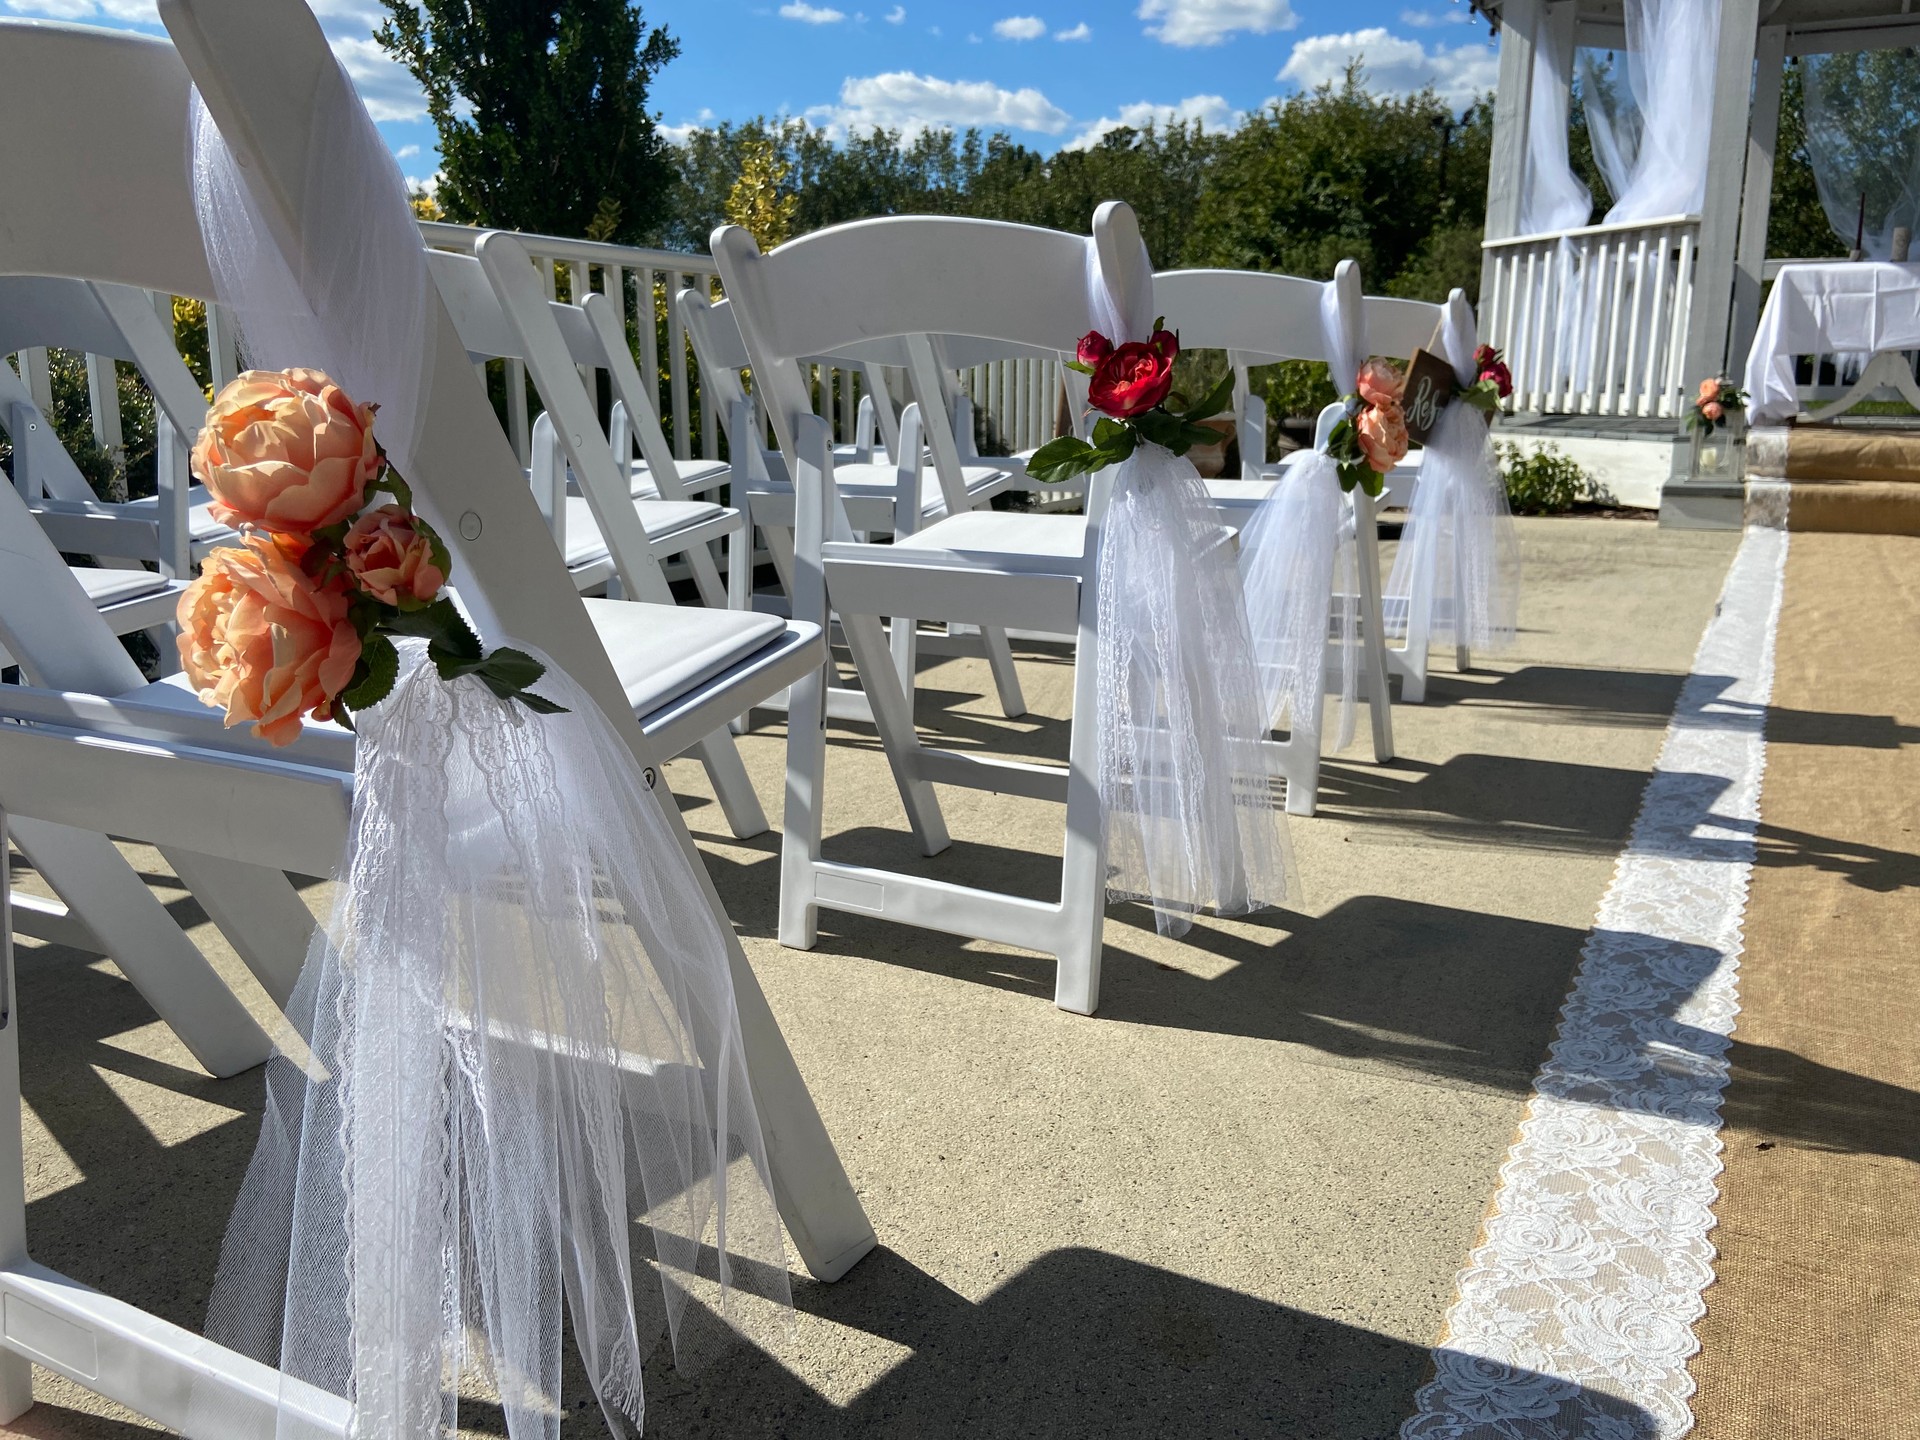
column 1594, row 321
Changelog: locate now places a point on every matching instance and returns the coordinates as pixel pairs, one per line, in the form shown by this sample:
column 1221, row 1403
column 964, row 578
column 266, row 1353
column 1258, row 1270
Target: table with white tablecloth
column 1863, row 307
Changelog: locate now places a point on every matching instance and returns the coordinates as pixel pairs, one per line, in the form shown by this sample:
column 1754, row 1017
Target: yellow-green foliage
column 757, row 203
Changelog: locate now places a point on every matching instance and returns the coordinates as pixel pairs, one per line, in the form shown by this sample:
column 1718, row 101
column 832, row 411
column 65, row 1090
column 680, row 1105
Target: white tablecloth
column 1841, row 307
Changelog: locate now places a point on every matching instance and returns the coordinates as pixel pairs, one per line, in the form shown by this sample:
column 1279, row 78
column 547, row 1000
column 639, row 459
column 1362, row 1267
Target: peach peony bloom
column 390, row 554
column 264, row 641
column 286, row 450
column 1712, row 410
column 1380, row 383
column 1382, row 432
column 1709, row 389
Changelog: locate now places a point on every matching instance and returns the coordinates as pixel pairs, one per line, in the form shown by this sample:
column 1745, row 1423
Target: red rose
column 1500, row 375
column 1094, row 347
column 1134, row 378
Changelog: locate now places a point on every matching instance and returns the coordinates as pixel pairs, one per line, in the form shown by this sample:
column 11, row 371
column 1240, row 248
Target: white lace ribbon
column 1186, row 797
column 518, row 1035
column 1575, row 1316
column 1299, row 559
column 1458, row 552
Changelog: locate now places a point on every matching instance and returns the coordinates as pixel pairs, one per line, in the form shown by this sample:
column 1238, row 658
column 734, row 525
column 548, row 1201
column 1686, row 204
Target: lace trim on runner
column 1575, row 1317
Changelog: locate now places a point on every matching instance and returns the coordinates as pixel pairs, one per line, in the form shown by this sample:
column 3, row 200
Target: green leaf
column 513, row 668
column 441, row 624
column 373, row 677
column 1165, row 430
column 1213, row 402
column 1105, row 429
column 539, row 704
column 390, row 481
column 1077, row 365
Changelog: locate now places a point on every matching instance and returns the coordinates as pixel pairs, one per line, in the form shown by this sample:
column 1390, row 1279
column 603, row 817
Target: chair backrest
column 912, row 278
column 258, row 67
column 1397, row 327
column 500, row 312
column 1253, row 314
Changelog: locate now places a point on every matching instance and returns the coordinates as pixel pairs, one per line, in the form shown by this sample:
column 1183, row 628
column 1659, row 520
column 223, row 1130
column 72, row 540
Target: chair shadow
column 1077, row 1344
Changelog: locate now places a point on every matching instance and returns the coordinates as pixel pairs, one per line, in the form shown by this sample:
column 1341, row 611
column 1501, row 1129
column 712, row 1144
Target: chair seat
column 691, row 472
column 200, row 522
column 1003, row 539
column 116, row 587
column 662, row 651
column 662, row 520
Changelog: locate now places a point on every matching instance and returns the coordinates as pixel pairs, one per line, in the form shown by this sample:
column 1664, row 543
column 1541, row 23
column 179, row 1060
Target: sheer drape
column 513, row 1082
column 1863, row 137
column 1553, row 198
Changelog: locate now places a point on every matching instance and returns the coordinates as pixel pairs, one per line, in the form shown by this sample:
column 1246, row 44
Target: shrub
column 1543, row 482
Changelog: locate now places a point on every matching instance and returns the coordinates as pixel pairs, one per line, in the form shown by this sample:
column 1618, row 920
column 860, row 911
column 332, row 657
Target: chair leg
column 16, row 1374
column 894, row 720
column 166, row 967
column 1006, row 679
column 1462, row 658
column 903, row 639
column 734, row 790
column 1303, row 771
column 1083, row 861
column 706, row 577
column 1373, row 636
column 801, row 827
column 259, row 911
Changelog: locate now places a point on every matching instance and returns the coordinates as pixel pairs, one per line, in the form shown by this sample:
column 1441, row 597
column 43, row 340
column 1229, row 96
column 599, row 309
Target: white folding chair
column 946, row 276
column 883, row 497
column 1259, row 318
column 105, row 198
column 1399, row 327
column 172, row 527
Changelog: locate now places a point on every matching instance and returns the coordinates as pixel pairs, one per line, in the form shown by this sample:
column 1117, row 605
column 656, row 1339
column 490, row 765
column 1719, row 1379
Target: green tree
column 542, row 112
column 1396, row 183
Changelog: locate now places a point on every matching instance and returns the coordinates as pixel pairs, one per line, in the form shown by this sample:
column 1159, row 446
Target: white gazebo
column 1619, row 321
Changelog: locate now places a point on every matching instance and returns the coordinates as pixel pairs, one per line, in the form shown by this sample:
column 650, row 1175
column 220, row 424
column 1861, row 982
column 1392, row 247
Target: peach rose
column 264, row 641
column 1380, row 383
column 286, row 450
column 390, row 554
column 1382, row 431
column 1709, row 389
column 1712, row 410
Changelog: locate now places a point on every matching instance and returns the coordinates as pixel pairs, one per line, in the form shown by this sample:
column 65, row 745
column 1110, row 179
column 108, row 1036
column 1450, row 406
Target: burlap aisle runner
column 1575, row 1317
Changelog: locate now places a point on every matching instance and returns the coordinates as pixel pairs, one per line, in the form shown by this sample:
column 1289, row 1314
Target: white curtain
column 1649, row 108
column 1552, row 197
column 1863, row 137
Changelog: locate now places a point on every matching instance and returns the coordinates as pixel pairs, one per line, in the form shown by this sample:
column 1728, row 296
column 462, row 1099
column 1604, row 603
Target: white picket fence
column 1594, row 321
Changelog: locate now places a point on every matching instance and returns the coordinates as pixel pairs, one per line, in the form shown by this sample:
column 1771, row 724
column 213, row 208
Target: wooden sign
column 1429, row 390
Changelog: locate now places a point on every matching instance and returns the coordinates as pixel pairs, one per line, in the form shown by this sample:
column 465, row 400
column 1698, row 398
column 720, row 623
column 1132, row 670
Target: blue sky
column 1050, row 74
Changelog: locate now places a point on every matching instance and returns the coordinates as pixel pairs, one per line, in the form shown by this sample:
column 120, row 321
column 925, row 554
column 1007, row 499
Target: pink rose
column 390, row 555
column 1093, row 348
column 1501, row 376
column 1380, row 383
column 1712, row 410
column 264, row 641
column 286, row 450
column 1382, row 432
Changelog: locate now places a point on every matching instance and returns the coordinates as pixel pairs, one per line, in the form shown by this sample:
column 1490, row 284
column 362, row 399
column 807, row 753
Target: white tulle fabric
column 1299, row 560
column 517, row 1037
column 1458, row 558
column 1187, row 801
column 1575, row 1317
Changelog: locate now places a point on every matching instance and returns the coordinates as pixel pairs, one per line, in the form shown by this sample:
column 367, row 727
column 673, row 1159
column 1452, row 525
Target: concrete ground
column 1232, row 1203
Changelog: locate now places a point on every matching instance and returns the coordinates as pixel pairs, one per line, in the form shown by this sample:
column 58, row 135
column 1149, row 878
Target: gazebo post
column 1770, row 56
column 1520, row 22
column 1712, row 309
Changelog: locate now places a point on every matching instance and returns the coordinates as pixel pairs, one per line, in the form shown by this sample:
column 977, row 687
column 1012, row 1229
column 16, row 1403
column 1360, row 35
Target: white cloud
column 1434, row 19
column 1209, row 22
column 123, row 12
column 1078, row 32
column 902, row 100
column 406, row 152
column 1020, row 27
column 1212, row 111
column 811, row 14
column 386, row 87
column 429, row 183
column 897, row 15
column 1394, row 64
